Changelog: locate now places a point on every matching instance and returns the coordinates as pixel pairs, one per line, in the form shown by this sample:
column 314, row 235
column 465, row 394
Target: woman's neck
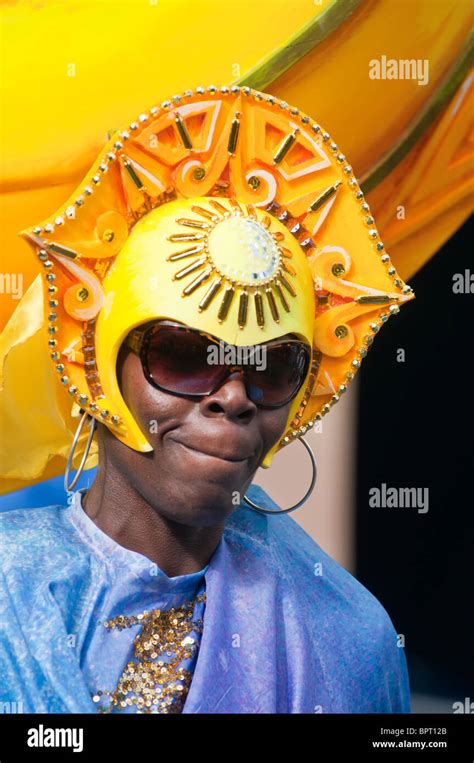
column 116, row 507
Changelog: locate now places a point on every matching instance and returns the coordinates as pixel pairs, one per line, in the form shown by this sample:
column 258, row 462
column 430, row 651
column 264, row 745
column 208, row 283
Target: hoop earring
column 68, row 486
column 256, row 507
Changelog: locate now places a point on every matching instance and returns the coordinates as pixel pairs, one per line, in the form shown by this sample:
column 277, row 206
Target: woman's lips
column 229, row 457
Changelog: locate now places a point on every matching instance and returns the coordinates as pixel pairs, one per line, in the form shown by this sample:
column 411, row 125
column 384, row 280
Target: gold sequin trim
column 152, row 684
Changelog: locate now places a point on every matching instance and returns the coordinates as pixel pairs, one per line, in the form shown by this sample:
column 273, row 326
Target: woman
column 221, row 221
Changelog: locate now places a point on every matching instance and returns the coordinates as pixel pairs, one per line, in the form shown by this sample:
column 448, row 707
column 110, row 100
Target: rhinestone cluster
column 257, row 249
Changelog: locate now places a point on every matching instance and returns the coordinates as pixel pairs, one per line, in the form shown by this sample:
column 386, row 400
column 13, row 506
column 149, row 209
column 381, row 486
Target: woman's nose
column 230, row 398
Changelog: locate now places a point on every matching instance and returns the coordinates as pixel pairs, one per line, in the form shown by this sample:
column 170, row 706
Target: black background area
column 415, row 429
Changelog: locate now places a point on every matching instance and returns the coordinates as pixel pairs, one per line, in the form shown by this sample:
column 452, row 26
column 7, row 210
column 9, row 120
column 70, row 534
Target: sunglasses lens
column 285, row 371
column 178, row 362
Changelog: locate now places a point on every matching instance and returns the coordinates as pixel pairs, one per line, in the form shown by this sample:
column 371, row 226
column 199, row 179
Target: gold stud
column 282, row 297
column 243, row 302
column 288, row 268
column 190, row 268
column 82, row 294
column 236, row 205
column 259, row 309
column 225, row 304
column 185, row 253
column 192, row 223
column 338, row 269
column 254, row 182
column 273, row 305
column 285, row 146
column 287, row 285
column 325, row 196
column 376, row 299
column 186, row 237
column 218, row 206
column 210, row 294
column 132, row 174
column 199, row 173
column 64, row 250
column 183, row 132
column 197, row 281
column 341, row 332
column 234, row 134
column 204, row 212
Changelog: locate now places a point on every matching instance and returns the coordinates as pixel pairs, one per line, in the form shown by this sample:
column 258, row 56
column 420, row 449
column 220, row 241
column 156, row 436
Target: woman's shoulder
column 35, row 537
column 316, row 580
column 348, row 630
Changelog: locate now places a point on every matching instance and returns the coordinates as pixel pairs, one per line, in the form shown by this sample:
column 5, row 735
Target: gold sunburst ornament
column 239, row 253
column 233, row 212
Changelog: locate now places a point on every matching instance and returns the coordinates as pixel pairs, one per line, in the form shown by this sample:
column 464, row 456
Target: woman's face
column 205, row 450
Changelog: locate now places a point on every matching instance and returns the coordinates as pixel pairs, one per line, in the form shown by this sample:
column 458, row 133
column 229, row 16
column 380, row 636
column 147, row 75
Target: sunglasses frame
column 139, row 339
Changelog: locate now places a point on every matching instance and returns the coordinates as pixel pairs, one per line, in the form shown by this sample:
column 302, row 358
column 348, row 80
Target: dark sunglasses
column 177, row 359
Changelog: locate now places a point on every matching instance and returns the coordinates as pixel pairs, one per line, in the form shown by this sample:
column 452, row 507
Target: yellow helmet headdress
column 229, row 210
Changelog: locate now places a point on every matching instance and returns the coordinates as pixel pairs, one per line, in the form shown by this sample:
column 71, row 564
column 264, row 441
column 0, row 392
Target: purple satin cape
column 286, row 628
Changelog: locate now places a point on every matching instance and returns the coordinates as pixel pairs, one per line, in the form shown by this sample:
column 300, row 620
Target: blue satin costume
column 285, row 628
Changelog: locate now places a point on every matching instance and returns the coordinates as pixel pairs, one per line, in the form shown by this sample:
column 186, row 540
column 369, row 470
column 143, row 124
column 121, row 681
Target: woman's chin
column 201, row 505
